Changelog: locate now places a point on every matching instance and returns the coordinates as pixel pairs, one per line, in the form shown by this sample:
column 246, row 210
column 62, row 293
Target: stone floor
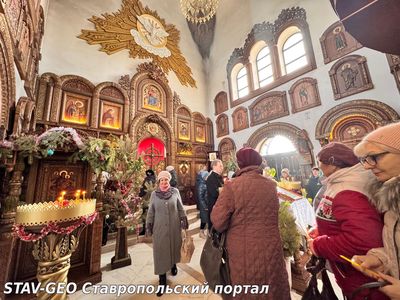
column 140, row 272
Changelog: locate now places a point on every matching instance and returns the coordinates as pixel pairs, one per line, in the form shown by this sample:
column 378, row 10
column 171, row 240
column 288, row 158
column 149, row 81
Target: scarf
column 165, row 195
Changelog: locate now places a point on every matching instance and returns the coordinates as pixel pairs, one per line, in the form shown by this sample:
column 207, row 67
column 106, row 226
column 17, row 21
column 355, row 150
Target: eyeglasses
column 371, row 159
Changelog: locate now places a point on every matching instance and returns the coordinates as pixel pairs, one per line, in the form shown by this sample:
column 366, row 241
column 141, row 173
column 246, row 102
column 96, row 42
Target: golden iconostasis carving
column 142, row 32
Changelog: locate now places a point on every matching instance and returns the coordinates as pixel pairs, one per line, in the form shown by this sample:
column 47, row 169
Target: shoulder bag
column 214, row 260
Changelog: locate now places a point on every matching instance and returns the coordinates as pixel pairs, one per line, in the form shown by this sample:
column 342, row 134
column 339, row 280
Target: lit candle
column 60, row 201
column 84, row 195
column 62, row 194
column 77, row 194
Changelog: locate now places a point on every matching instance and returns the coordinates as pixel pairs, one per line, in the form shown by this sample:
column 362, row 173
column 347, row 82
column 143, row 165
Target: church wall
column 64, row 53
column 320, row 16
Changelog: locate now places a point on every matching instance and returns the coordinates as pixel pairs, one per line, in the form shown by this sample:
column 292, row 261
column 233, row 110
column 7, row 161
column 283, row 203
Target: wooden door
column 47, row 178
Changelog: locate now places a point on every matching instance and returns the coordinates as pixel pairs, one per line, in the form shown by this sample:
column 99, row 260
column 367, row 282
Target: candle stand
column 54, row 228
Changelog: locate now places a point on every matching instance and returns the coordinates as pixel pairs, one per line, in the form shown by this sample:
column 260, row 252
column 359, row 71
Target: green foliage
column 55, row 140
column 99, row 153
column 6, row 149
column 26, row 146
column 127, row 167
column 231, row 163
column 290, row 236
column 126, row 174
column 271, row 172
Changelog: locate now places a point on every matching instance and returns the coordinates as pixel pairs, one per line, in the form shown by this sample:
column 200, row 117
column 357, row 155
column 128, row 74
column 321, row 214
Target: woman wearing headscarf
column 165, row 219
column 379, row 152
column 247, row 209
column 347, row 223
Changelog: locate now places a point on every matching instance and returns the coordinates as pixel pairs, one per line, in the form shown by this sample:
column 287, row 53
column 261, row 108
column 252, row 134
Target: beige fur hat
column 164, row 174
column 386, row 136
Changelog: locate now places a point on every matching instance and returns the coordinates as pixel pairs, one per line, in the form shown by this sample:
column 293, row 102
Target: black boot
column 174, row 270
column 163, row 282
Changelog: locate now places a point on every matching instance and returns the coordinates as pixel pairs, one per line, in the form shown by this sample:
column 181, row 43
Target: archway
column 298, row 157
column 279, row 153
column 153, row 152
column 153, row 126
column 350, row 121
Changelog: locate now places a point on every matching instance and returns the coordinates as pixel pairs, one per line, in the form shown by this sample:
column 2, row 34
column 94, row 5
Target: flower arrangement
column 290, row 236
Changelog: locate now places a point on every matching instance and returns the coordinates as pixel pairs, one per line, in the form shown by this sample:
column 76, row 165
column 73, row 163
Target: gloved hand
column 149, row 229
column 184, row 223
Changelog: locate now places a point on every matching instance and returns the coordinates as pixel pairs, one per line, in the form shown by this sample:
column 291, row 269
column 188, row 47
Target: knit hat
column 169, row 168
column 337, row 154
column 387, row 136
column 248, row 157
column 164, row 174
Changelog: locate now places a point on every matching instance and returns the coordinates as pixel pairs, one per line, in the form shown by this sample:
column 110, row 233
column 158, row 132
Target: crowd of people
column 356, row 197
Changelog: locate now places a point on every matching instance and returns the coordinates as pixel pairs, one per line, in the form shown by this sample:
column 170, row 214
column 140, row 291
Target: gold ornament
column 45, row 212
column 144, row 34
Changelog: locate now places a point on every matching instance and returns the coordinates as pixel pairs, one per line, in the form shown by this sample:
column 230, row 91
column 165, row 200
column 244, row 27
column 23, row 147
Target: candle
column 62, row 194
column 83, row 195
column 77, row 194
column 60, row 200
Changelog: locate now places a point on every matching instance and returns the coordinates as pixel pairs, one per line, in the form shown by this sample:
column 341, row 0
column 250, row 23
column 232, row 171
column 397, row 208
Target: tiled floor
column 141, row 273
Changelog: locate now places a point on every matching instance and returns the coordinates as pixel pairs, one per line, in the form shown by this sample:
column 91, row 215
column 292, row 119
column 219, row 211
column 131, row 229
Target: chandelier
column 199, row 11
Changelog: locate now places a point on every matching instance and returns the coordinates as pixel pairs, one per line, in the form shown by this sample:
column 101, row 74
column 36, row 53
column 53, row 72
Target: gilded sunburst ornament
column 144, row 34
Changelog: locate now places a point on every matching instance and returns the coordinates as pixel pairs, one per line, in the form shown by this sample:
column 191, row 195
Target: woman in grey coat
column 165, row 219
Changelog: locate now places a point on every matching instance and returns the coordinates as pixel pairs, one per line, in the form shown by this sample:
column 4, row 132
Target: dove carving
column 144, row 34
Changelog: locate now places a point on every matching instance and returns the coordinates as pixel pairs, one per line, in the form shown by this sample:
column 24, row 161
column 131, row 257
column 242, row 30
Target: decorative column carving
column 7, row 219
column 11, row 201
column 55, row 103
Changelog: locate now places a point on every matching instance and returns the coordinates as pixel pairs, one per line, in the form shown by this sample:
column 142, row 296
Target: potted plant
column 290, row 236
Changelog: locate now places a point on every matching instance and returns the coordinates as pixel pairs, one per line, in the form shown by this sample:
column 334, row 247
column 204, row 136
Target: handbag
column 312, row 292
column 214, row 260
column 187, row 247
column 371, row 286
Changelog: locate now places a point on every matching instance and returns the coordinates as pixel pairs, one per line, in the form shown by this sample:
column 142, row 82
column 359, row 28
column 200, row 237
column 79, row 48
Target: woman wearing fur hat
column 247, row 209
column 347, row 223
column 379, row 152
column 165, row 219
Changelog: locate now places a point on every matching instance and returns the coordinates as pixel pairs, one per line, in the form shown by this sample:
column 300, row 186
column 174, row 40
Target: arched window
column 294, row 53
column 242, row 83
column 264, row 67
column 277, row 144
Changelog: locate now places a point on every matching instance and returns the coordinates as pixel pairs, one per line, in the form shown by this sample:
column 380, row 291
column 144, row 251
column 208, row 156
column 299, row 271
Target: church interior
column 89, row 87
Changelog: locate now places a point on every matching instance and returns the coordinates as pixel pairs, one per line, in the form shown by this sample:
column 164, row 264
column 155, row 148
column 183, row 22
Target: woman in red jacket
column 347, row 223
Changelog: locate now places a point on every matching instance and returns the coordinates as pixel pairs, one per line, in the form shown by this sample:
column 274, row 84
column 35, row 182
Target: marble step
column 194, row 225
